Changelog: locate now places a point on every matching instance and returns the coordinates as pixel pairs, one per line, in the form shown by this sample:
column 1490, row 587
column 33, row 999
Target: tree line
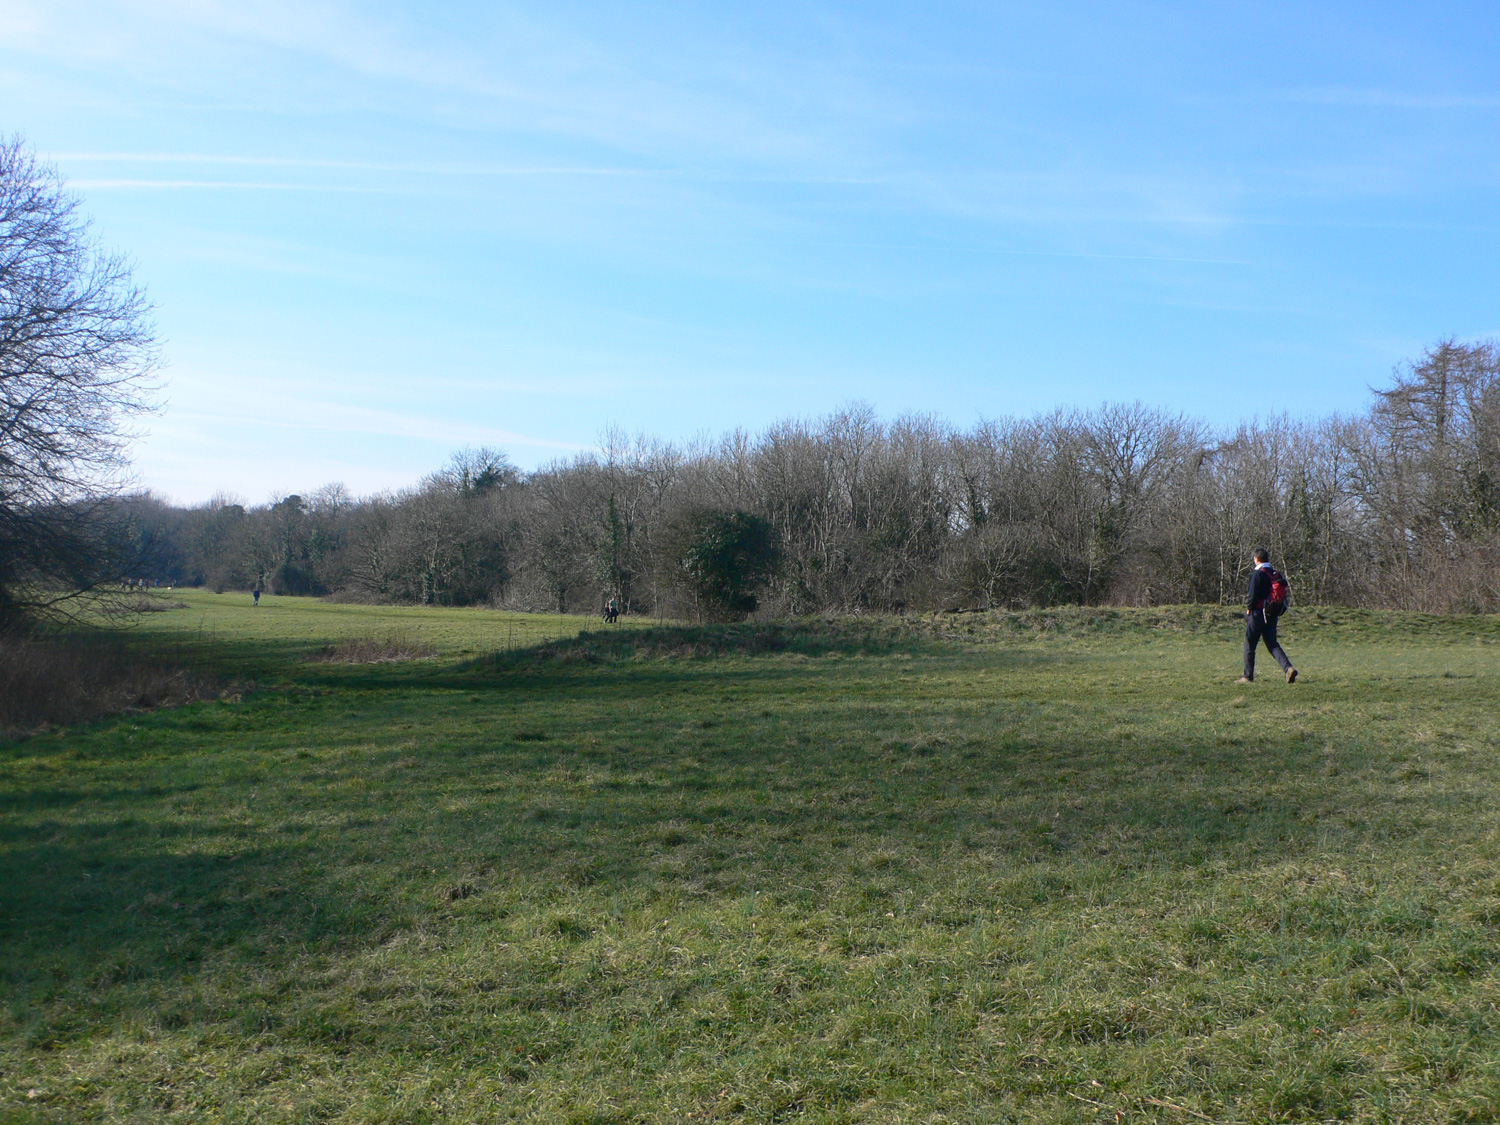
column 1396, row 506
column 1125, row 504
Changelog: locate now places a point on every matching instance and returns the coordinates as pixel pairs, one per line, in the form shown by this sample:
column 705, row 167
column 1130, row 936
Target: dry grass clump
column 131, row 605
column 370, row 649
column 72, row 679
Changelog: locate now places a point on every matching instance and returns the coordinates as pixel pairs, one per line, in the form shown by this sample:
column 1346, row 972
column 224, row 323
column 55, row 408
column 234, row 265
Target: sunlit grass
column 1045, row 866
column 233, row 629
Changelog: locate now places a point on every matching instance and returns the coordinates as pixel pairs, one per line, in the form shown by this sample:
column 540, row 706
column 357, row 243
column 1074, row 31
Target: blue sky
column 377, row 232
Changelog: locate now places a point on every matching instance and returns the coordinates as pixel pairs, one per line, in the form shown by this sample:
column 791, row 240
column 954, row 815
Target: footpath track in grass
column 1050, row 866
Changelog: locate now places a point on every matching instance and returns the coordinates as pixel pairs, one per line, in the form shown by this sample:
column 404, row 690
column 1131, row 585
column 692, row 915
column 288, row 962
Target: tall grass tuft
column 370, row 649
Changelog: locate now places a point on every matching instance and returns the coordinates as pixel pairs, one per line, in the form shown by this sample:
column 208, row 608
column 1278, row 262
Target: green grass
column 1051, row 866
column 230, row 633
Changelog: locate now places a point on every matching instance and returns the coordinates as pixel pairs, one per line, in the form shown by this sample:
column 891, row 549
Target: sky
column 375, row 233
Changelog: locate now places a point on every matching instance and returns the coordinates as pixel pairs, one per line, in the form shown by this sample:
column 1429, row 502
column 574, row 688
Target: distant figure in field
column 255, row 593
column 612, row 611
column 1267, row 602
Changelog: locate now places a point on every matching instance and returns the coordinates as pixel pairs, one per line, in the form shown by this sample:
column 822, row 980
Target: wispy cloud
column 422, row 169
column 543, row 76
column 1390, row 99
column 232, row 185
column 697, row 108
column 312, row 416
column 1026, row 198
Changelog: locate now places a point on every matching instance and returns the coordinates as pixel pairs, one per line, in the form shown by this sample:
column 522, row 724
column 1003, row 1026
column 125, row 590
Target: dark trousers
column 1259, row 627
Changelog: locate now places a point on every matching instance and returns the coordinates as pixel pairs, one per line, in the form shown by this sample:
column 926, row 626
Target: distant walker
column 1268, row 600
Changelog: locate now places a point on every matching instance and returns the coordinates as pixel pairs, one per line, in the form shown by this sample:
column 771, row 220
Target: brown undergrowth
column 370, row 649
column 61, row 680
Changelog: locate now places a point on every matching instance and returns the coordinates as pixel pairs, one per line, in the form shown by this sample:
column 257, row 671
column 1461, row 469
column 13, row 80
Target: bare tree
column 76, row 353
column 1121, row 504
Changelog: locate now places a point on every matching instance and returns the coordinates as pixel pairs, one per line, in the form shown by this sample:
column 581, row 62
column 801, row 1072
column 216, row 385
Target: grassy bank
column 1048, row 866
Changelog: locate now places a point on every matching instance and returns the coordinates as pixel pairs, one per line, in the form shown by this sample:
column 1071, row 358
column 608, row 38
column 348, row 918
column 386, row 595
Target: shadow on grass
column 637, row 662
column 91, row 914
column 315, row 661
column 254, row 834
column 811, row 637
column 107, row 899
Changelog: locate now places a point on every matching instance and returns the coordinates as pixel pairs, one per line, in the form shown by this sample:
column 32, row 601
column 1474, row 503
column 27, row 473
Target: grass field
column 1040, row 867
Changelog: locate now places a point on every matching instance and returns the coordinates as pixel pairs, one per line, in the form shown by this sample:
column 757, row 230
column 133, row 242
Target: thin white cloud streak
column 558, row 83
column 341, row 418
column 1389, row 99
column 1039, row 200
column 211, row 410
column 552, row 80
column 524, row 74
column 985, row 250
column 976, row 196
column 349, row 165
column 233, row 185
column 241, row 185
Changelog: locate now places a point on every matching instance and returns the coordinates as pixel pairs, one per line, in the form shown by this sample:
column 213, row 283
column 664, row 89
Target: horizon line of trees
column 1125, row 504
column 1396, row 506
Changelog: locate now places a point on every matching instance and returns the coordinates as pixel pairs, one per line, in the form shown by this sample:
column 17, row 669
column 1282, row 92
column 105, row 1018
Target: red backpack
column 1280, row 596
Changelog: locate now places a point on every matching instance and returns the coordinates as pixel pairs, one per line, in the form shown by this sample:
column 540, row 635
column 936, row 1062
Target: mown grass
column 1048, row 866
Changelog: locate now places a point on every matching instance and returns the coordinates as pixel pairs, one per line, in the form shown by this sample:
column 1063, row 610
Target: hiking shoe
column 1244, row 680
column 1291, row 675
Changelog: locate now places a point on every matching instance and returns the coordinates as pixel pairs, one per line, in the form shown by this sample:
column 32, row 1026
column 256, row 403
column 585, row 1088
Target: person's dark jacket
column 1260, row 587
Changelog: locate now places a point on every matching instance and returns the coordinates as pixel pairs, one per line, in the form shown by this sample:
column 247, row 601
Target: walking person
column 1262, row 613
column 256, row 594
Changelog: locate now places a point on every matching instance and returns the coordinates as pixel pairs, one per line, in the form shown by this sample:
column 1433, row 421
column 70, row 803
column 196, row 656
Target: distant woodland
column 1126, row 504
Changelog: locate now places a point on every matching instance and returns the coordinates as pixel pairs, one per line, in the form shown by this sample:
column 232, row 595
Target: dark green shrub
column 722, row 558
